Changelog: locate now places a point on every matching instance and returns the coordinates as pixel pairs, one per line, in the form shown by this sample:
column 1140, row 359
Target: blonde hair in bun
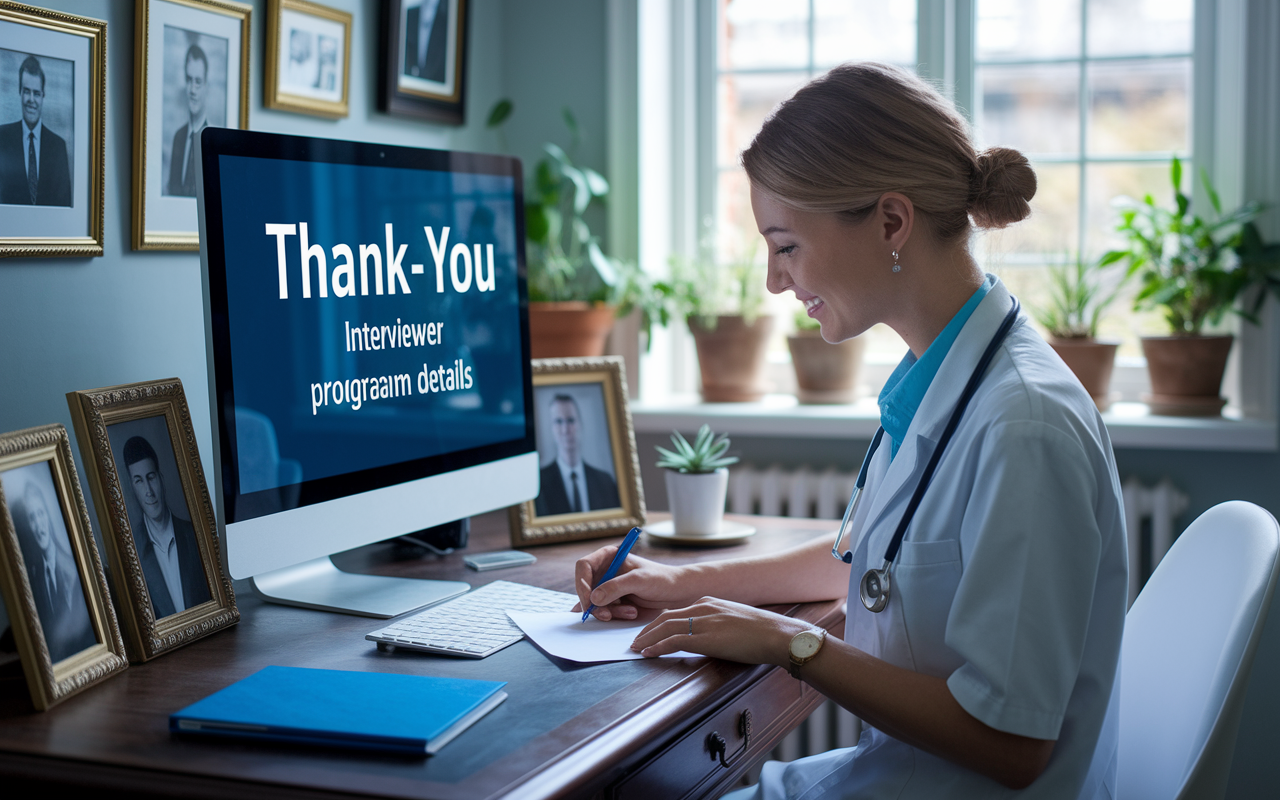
column 864, row 129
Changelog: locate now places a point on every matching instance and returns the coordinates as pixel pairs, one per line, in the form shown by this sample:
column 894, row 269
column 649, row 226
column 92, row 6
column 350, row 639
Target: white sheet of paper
column 563, row 634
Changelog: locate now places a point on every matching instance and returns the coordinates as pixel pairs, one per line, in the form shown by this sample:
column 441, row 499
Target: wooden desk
column 628, row 729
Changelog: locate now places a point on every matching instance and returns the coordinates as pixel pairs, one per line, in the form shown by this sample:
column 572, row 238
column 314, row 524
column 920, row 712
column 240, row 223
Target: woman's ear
column 897, row 217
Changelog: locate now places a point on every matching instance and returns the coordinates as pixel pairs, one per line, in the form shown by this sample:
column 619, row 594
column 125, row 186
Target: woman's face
column 838, row 270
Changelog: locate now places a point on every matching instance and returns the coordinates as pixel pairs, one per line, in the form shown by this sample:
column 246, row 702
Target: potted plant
column 572, row 298
column 697, row 481
column 1195, row 269
column 723, row 306
column 1079, row 292
column 825, row 373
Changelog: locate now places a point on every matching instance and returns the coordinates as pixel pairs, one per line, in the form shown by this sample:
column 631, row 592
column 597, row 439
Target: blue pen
column 615, row 565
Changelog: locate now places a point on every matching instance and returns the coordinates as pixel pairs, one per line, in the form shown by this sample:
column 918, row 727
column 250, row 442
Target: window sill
column 1130, row 424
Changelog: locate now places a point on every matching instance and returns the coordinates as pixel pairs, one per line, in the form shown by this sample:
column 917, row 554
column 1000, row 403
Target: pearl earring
column 896, row 266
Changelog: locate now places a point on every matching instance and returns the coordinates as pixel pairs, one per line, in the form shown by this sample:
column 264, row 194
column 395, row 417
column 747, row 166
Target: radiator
column 1159, row 505
column 806, row 492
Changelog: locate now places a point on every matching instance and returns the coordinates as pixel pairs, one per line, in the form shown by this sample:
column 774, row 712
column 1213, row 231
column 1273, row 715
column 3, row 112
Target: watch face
column 805, row 644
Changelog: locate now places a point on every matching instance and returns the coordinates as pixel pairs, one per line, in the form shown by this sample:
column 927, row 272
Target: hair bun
column 1001, row 188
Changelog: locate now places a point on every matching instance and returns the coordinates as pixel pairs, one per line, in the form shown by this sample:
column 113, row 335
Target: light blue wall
column 84, row 323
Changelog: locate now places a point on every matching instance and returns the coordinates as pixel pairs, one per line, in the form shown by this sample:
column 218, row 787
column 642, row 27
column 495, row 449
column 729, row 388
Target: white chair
column 1188, row 648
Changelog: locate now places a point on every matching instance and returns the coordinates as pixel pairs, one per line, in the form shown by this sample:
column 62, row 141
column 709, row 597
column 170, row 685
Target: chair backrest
column 1188, row 648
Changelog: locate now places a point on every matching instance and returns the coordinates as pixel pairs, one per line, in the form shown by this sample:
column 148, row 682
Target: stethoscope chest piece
column 874, row 589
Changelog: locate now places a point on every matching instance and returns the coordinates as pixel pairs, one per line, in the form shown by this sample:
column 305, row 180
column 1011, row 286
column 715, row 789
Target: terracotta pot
column 1092, row 362
column 1186, row 374
column 825, row 373
column 697, row 501
column 731, row 358
column 568, row 330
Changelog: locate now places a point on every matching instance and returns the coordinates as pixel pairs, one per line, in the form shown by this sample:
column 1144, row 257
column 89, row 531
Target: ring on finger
column 690, row 626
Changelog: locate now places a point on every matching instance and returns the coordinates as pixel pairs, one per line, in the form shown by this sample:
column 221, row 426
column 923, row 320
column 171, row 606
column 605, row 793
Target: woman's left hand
column 723, row 629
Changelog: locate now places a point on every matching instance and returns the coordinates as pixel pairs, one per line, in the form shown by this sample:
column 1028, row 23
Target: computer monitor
column 366, row 322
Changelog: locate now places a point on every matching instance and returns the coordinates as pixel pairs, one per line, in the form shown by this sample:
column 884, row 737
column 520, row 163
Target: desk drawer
column 688, row 767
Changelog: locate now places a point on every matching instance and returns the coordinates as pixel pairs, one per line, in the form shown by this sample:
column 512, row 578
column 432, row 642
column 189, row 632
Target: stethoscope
column 874, row 586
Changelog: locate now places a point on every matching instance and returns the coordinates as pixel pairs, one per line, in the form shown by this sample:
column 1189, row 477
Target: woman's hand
column 724, row 629
column 640, row 583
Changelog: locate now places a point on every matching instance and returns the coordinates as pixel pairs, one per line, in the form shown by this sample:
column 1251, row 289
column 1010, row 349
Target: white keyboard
column 474, row 625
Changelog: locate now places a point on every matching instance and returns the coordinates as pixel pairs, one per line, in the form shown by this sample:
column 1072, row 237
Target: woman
column 990, row 670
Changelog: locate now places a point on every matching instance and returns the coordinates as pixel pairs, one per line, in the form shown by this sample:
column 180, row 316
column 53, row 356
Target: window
column 1098, row 93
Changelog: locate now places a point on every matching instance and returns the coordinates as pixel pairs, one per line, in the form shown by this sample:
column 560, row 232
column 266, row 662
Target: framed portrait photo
column 191, row 71
column 53, row 585
column 139, row 450
column 53, row 73
column 423, row 59
column 308, row 60
column 589, row 469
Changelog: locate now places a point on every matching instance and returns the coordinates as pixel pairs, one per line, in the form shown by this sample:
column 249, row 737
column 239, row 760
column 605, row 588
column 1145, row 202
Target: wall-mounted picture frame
column 53, row 100
column 153, row 504
column 590, row 470
column 422, row 59
column 51, row 577
column 191, row 71
column 307, row 67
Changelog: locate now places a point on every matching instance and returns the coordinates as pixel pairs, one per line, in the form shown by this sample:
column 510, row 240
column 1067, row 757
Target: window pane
column 764, row 33
column 1139, row 27
column 1141, row 106
column 737, row 238
column 1106, row 182
column 1028, row 29
column 745, row 100
column 1051, row 229
column 882, row 31
column 1035, row 109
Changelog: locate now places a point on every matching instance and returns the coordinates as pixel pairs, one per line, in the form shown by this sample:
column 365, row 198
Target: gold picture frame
column 131, row 437
column 59, row 213
column 174, row 42
column 51, row 577
column 580, row 405
column 311, row 75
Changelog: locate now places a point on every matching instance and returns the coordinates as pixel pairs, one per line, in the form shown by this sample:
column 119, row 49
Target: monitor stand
column 319, row 584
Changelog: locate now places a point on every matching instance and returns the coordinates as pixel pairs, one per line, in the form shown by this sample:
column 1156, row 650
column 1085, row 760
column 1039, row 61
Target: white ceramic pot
column 697, row 501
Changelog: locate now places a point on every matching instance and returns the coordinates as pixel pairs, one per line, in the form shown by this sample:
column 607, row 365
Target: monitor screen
column 367, row 327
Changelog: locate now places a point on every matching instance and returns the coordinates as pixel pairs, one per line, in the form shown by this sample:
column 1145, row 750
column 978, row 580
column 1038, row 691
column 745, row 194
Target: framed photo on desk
column 139, row 449
column 590, row 471
column 51, row 577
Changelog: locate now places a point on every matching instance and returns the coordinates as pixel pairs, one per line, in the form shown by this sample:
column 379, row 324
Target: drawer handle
column 717, row 745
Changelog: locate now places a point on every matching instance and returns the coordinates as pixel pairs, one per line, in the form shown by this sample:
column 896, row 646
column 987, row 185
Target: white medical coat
column 1011, row 582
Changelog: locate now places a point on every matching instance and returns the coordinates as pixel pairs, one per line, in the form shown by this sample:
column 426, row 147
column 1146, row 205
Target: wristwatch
column 804, row 646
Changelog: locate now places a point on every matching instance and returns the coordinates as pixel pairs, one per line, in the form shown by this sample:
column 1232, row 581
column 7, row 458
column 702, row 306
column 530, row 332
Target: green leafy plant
column 564, row 257
column 1080, row 292
column 705, row 455
column 1196, row 268
column 804, row 322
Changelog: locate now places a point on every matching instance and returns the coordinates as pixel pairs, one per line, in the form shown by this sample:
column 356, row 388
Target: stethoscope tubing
column 874, row 587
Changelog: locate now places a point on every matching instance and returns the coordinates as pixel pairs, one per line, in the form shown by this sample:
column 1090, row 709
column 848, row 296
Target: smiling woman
column 989, row 551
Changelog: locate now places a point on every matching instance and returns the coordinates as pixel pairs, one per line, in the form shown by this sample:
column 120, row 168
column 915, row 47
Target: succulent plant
column 706, row 454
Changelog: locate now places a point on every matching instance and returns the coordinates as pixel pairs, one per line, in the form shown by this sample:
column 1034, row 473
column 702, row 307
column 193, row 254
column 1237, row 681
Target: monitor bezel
column 235, row 507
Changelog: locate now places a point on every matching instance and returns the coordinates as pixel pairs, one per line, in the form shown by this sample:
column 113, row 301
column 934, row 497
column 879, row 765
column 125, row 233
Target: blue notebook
column 370, row 710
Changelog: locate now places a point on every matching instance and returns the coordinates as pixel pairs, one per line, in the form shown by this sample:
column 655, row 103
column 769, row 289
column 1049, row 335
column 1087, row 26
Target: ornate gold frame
column 96, row 32
column 93, row 412
column 51, row 683
column 610, row 372
column 144, row 239
column 272, row 96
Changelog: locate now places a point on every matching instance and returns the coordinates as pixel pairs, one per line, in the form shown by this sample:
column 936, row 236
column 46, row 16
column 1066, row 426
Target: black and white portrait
column 50, row 562
column 311, row 56
column 37, row 129
column 574, row 450
column 195, row 96
column 159, row 515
